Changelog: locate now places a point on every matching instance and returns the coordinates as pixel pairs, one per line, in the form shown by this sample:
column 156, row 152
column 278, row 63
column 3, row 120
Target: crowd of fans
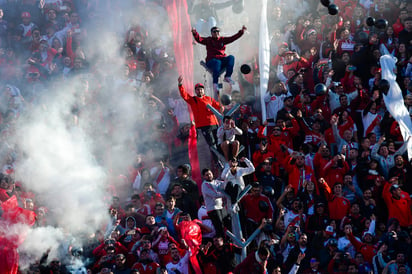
column 328, row 169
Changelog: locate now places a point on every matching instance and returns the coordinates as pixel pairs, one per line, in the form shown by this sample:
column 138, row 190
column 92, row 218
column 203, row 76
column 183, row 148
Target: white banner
column 264, row 56
column 394, row 100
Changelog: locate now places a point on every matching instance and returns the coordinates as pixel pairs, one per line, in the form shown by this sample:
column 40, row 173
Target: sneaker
column 229, row 80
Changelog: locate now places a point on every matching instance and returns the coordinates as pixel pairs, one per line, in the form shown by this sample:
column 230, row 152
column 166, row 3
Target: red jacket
column 399, row 209
column 368, row 250
column 203, row 116
column 332, row 174
column 215, row 47
column 338, row 206
column 150, row 268
column 251, row 205
column 297, row 175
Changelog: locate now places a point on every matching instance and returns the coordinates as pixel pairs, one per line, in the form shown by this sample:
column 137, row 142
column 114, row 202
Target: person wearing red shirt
column 146, row 265
column 298, row 171
column 216, row 58
column 294, row 62
column 205, row 120
column 366, row 247
column 398, row 25
column 399, row 204
column 335, row 170
column 255, row 262
column 262, row 153
column 337, row 204
column 321, row 158
column 280, row 134
column 256, row 207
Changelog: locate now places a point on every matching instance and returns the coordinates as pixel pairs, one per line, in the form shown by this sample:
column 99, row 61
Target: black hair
column 205, row 170
column 184, row 168
column 263, row 251
column 226, row 117
column 135, row 196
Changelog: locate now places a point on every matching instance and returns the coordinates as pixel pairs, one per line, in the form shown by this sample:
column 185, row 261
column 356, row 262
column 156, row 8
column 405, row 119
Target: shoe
column 229, row 80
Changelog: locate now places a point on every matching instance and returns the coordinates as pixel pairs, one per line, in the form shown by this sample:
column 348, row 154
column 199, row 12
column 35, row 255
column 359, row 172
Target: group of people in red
column 328, row 169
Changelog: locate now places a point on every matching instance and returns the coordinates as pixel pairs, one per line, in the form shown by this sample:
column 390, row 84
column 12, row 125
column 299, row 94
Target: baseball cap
column 199, row 85
column 329, row 230
column 214, row 29
column 394, row 187
column 365, row 233
column 25, row 14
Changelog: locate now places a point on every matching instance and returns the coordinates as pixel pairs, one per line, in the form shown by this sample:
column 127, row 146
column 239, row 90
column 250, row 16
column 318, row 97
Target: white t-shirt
column 182, row 266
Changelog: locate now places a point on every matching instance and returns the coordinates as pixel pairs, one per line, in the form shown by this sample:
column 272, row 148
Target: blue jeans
column 217, row 65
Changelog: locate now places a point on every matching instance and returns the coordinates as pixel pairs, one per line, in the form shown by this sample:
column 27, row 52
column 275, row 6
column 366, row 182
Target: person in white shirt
column 226, row 135
column 232, row 174
column 212, row 191
column 274, row 101
column 178, row 264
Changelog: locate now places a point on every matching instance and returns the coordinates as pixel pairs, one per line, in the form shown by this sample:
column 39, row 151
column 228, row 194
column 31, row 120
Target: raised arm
column 247, row 170
column 198, row 38
column 182, row 91
column 230, row 39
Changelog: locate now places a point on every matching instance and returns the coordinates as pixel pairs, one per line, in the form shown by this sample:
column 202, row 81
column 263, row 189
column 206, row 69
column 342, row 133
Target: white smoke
column 58, row 156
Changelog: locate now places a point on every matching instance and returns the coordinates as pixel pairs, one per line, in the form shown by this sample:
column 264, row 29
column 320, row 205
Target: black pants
column 220, row 221
column 233, row 191
column 210, row 134
column 216, row 216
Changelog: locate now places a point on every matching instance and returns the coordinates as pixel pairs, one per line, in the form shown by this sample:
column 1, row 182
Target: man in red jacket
column 216, row 58
column 257, row 207
column 205, row 120
column 338, row 205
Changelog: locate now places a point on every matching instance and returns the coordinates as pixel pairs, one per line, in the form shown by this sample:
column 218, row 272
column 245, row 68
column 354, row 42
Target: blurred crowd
column 328, row 170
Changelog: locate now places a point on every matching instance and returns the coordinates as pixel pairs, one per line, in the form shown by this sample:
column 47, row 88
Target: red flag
column 11, row 236
column 181, row 29
column 190, row 231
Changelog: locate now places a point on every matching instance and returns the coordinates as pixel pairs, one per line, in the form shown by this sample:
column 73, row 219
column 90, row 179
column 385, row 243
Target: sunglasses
column 216, row 31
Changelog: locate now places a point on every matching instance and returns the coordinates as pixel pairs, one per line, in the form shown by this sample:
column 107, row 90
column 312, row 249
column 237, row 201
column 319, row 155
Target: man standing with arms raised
column 205, row 120
column 216, row 58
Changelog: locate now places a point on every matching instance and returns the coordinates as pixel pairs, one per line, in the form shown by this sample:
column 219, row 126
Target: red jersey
column 399, row 209
column 251, row 205
column 203, row 116
column 338, row 206
column 150, row 268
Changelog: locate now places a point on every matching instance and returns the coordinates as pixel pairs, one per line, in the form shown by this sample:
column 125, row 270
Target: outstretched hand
column 244, row 28
column 180, row 80
column 194, row 31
